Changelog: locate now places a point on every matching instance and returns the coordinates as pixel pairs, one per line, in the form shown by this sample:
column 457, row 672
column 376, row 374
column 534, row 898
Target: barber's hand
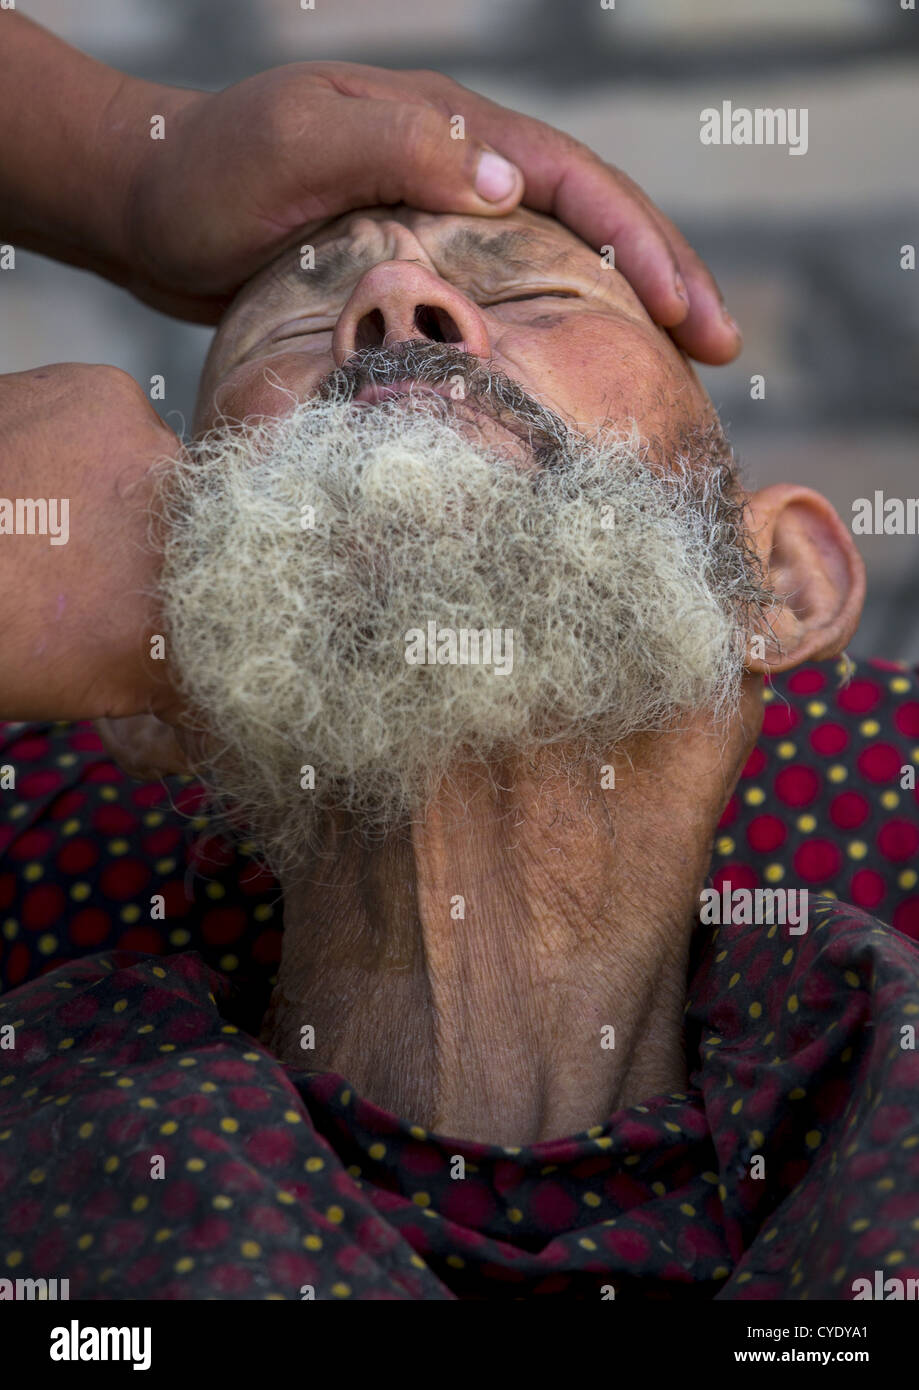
column 76, row 618
column 242, row 173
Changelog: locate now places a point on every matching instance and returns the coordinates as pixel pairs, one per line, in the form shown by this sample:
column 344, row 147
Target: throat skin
column 464, row 973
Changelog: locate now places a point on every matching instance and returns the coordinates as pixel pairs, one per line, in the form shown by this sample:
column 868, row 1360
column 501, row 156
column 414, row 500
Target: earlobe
column 817, row 575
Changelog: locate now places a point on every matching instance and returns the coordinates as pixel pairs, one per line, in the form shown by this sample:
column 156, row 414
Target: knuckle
column 120, row 385
column 96, row 383
column 618, row 174
column 421, row 132
column 567, row 145
column 429, row 76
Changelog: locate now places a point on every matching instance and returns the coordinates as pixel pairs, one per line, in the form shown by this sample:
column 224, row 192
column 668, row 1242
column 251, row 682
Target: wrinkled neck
column 509, row 969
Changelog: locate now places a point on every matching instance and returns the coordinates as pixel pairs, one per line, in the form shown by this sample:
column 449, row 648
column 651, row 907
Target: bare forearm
column 73, row 133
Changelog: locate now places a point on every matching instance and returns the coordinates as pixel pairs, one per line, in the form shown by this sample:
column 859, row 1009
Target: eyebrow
column 515, row 247
column 333, row 266
column 511, row 248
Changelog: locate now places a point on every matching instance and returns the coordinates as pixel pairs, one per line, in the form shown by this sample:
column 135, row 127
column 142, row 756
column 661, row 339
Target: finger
column 564, row 178
column 598, row 201
column 604, row 206
column 588, row 198
column 416, row 155
column 708, row 332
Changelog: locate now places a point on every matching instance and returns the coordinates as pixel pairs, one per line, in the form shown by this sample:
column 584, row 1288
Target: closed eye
column 535, row 294
column 302, row 333
column 491, row 304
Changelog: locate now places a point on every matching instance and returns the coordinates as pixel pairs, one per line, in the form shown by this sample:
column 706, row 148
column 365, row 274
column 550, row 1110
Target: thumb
column 416, row 155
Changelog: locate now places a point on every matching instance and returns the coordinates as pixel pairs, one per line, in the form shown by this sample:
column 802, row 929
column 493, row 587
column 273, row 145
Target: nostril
column 370, row 332
column 436, row 324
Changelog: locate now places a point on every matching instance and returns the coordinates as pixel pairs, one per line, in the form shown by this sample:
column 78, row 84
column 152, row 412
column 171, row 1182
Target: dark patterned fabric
column 820, row 804
column 150, row 1148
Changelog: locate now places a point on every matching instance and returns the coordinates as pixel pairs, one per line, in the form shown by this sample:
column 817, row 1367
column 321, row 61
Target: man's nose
column 399, row 300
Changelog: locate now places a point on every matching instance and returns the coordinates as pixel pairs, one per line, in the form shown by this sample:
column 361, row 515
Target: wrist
column 67, row 174
column 141, row 136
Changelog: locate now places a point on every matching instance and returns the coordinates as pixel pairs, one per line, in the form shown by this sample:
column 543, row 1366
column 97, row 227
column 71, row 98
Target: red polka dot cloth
column 150, row 1148
column 822, row 803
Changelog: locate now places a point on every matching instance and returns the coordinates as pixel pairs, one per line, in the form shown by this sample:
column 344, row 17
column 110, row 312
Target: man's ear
column 817, row 575
column 143, row 746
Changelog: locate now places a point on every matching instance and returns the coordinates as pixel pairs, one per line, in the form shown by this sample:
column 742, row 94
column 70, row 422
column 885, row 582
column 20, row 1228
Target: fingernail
column 679, row 286
column 731, row 323
column 495, row 178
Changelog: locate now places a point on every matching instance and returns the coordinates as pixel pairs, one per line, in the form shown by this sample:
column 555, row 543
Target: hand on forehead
column 521, row 292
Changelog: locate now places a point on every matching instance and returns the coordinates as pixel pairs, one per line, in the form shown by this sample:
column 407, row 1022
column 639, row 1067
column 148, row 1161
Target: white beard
column 290, row 640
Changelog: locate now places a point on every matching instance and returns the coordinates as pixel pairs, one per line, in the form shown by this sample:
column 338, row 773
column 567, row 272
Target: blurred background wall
column 806, row 249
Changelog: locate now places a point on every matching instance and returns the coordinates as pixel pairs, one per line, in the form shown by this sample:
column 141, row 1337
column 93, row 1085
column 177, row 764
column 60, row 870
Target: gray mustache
column 436, row 364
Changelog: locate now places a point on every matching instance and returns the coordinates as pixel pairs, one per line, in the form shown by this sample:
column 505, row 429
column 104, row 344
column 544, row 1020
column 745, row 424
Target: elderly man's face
column 554, row 558
column 521, row 292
